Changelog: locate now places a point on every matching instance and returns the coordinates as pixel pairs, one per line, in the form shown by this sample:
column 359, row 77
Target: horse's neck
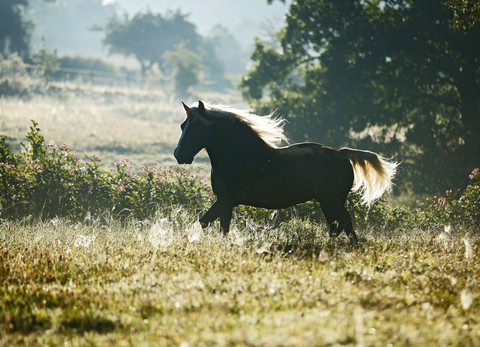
column 232, row 149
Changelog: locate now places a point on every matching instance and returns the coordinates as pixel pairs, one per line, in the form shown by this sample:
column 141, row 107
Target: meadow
column 142, row 125
column 103, row 278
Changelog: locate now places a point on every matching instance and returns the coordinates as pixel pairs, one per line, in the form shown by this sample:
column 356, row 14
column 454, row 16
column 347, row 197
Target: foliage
column 148, row 36
column 157, row 40
column 228, row 50
column 454, row 207
column 381, row 74
column 185, row 69
column 47, row 61
column 13, row 76
column 466, row 13
column 15, row 30
column 49, row 180
column 82, row 63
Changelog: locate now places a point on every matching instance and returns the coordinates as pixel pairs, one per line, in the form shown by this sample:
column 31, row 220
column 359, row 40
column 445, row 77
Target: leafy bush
column 50, row 180
column 460, row 207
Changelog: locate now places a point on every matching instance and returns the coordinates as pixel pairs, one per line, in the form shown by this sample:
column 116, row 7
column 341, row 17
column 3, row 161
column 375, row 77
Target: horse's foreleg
column 225, row 219
column 222, row 209
column 212, row 214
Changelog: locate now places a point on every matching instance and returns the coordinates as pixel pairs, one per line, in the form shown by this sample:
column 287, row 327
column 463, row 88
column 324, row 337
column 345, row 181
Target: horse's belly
column 274, row 203
column 274, row 194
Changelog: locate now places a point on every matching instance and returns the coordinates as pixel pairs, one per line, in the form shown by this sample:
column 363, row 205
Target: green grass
column 142, row 125
column 164, row 282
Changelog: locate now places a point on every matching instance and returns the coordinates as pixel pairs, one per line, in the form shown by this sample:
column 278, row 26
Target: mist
column 66, row 25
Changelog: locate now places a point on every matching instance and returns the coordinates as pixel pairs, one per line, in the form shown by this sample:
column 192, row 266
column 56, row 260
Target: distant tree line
column 169, row 42
column 167, row 47
column 398, row 76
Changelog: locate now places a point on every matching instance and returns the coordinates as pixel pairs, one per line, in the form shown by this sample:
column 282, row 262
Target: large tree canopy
column 15, row 31
column 394, row 75
column 148, row 36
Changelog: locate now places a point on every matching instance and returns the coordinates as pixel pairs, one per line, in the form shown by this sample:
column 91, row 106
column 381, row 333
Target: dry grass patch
column 167, row 282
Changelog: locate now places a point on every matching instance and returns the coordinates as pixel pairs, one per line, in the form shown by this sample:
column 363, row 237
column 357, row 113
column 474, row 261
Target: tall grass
column 165, row 282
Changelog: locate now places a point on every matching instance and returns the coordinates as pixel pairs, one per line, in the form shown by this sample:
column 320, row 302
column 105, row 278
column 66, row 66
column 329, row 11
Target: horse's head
column 195, row 132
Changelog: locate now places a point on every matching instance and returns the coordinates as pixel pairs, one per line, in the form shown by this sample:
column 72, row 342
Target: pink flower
column 473, row 174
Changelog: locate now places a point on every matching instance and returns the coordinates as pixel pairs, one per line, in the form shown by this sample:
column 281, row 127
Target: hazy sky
column 206, row 13
column 242, row 17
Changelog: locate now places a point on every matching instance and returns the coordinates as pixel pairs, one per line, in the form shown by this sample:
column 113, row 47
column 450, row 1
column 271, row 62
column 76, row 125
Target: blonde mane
column 269, row 128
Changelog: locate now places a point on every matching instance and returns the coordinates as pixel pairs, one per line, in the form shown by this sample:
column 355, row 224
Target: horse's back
column 316, row 155
column 328, row 168
column 292, row 175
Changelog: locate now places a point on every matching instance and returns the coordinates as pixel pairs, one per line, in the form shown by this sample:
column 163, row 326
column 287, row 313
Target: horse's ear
column 187, row 109
column 201, row 106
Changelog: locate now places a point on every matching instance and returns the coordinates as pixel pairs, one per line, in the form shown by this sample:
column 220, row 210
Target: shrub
column 455, row 207
column 48, row 180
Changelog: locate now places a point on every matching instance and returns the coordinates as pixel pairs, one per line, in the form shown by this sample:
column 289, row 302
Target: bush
column 460, row 207
column 47, row 180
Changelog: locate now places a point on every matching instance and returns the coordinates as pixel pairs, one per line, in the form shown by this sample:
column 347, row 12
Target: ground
column 165, row 282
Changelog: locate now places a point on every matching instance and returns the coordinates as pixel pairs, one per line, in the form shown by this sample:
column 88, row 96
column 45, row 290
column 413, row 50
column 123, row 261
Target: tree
column 393, row 75
column 186, row 69
column 466, row 12
column 228, row 50
column 148, row 36
column 47, row 61
column 15, row 31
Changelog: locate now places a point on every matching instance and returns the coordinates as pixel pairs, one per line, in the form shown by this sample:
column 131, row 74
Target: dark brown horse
column 249, row 168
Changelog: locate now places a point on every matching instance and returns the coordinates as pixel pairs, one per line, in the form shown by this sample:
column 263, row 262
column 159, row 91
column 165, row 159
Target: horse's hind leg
column 347, row 225
column 338, row 220
column 333, row 221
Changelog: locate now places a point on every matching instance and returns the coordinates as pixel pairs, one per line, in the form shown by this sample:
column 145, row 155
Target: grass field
column 164, row 281
column 115, row 123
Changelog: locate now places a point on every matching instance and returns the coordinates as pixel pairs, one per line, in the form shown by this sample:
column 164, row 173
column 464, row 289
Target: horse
column 249, row 167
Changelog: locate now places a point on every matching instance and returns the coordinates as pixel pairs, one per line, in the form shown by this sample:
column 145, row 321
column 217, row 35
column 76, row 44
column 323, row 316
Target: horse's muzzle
column 180, row 159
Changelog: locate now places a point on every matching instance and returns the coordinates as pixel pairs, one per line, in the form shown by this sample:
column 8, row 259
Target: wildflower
column 473, row 174
column 97, row 158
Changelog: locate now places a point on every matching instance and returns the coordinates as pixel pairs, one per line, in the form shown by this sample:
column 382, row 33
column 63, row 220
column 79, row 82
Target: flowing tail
column 372, row 172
